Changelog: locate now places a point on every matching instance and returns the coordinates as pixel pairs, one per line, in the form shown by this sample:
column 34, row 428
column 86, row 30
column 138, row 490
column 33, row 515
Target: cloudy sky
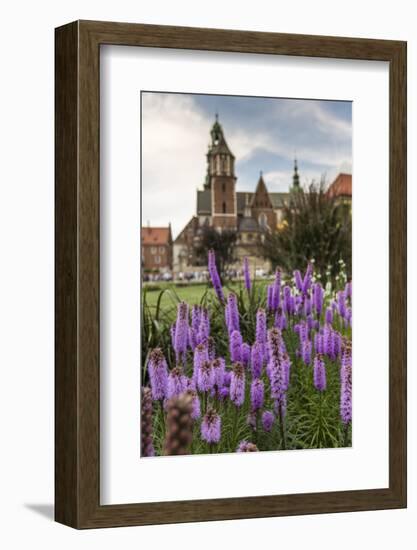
column 263, row 134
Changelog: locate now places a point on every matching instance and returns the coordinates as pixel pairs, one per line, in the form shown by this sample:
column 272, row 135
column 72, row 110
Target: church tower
column 296, row 177
column 221, row 180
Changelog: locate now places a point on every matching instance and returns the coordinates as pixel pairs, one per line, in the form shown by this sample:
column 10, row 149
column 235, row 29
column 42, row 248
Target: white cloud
column 174, row 140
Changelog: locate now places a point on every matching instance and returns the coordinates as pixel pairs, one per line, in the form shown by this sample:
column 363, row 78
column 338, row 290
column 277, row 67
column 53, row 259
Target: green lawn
column 191, row 293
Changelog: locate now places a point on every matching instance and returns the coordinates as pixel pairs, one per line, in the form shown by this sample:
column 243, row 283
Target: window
column 153, row 250
column 161, row 250
column 157, row 259
column 224, row 208
column 262, row 220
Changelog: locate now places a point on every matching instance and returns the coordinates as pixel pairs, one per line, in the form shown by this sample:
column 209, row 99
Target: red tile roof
column 156, row 235
column 341, row 187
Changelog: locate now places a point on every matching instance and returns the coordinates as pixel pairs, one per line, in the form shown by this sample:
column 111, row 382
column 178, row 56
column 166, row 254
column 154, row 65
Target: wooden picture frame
column 77, row 374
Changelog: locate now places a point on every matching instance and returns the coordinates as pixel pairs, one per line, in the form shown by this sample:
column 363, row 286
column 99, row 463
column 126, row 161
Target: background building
column 157, row 249
column 219, row 205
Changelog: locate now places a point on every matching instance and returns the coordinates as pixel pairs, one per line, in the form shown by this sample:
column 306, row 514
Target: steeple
column 296, row 177
column 220, row 160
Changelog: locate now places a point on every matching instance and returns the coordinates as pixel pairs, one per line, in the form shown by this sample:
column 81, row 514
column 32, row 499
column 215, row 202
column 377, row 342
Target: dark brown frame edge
column 77, row 274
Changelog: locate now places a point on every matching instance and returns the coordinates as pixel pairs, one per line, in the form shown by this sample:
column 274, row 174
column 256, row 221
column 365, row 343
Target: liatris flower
column 205, row 378
column 328, row 341
column 235, row 346
column 319, row 373
column 237, row 384
column 288, row 301
column 200, row 355
column 257, row 359
column 318, row 343
column 307, row 278
column 307, row 305
column 348, row 290
column 341, row 304
column 219, row 371
column 267, row 420
column 158, row 374
column 211, row 427
column 172, row 333
column 195, row 317
column 246, row 447
column 336, row 344
column 177, row 383
column 192, row 338
column 195, row 400
column 245, row 354
column 270, row 298
column 329, row 316
column 298, row 280
column 286, row 368
column 246, row 274
column 261, row 326
column 318, row 296
column 147, row 448
column 204, row 327
column 214, row 275
column 211, row 348
column 348, row 317
column 232, row 313
column 306, row 351
column 257, row 394
column 277, row 290
column 275, row 364
column 181, row 330
column 346, row 387
column 179, row 432
column 280, row 320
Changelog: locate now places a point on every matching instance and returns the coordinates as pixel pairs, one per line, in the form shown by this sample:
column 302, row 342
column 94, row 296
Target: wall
column 26, row 217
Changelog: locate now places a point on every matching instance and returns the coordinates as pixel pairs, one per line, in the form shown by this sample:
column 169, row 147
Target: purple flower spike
column 246, row 274
column 200, row 355
column 277, row 290
column 235, row 346
column 280, row 320
column 298, row 280
column 224, row 393
column 246, row 354
column 307, row 305
column 261, row 326
column 195, row 407
column 205, row 380
column 348, row 290
column 177, row 383
column 158, row 374
column 204, row 327
column 318, row 296
column 319, row 373
column 346, row 387
column 341, row 303
column 276, row 372
column 318, row 343
column 306, row 351
column 214, row 275
column 211, row 427
column 257, row 359
column 288, row 301
column 237, row 385
column 232, row 313
column 257, row 394
column 219, row 371
column 181, row 330
column 307, row 278
column 267, row 420
column 329, row 316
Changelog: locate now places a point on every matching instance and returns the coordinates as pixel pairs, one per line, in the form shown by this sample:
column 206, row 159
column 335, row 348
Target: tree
column 315, row 227
column 223, row 244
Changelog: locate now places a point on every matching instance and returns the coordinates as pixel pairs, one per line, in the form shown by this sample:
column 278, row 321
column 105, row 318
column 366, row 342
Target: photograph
column 246, row 274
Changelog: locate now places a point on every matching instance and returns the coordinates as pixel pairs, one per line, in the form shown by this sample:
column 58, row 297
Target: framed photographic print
column 230, row 274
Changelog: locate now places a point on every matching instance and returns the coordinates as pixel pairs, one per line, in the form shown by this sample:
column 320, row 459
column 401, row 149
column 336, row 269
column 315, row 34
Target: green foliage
column 315, row 227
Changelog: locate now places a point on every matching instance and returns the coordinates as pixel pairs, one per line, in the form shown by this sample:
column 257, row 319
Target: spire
column 296, row 177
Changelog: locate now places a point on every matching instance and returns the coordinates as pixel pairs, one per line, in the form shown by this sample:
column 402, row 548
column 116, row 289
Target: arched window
column 262, row 220
column 224, row 208
column 223, row 187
